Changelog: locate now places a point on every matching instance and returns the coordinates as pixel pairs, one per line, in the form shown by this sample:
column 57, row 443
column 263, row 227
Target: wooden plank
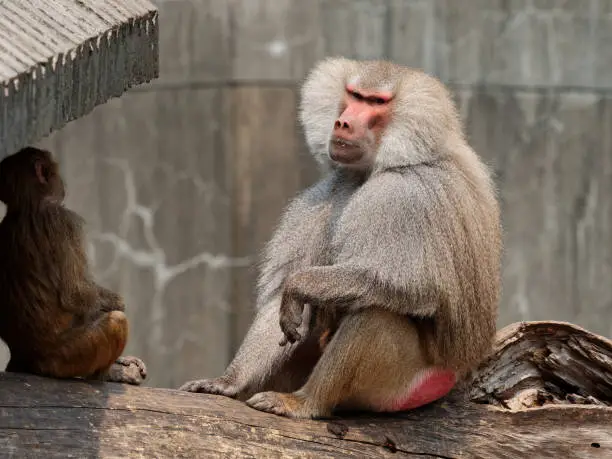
column 552, row 158
column 274, row 40
column 265, row 169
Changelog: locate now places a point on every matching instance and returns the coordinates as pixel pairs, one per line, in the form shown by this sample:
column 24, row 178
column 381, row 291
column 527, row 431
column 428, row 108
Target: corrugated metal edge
column 70, row 85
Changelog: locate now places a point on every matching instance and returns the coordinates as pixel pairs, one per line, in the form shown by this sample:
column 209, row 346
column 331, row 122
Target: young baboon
column 54, row 319
column 396, row 252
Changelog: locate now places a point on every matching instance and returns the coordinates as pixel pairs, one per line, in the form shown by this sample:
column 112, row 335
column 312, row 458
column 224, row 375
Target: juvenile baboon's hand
column 291, row 311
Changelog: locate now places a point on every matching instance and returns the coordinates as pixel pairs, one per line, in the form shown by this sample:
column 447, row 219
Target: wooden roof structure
column 61, row 58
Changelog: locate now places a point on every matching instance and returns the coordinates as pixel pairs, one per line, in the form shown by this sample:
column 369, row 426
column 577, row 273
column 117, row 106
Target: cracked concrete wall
column 183, row 180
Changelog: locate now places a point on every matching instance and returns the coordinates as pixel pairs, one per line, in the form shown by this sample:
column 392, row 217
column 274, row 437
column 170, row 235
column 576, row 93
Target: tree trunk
column 546, row 391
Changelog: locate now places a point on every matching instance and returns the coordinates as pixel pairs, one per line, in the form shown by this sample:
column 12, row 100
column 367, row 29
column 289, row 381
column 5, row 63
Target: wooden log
column 540, row 363
column 491, row 415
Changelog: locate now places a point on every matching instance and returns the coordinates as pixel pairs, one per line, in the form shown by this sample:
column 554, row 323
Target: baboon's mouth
column 344, row 151
column 343, row 143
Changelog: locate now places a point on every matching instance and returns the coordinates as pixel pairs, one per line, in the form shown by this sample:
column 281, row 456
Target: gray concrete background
column 182, row 180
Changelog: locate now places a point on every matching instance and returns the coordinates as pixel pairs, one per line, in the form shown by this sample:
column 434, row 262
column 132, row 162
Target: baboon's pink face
column 364, row 115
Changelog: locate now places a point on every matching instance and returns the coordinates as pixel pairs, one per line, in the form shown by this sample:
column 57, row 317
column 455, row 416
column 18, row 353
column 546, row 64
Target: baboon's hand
column 128, row 370
column 291, row 311
column 218, row 386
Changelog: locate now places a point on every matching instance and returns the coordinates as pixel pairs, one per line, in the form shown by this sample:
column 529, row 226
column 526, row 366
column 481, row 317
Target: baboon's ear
column 41, row 168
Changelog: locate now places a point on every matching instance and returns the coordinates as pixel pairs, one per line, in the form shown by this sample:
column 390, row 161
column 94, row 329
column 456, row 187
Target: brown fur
column 54, row 318
column 399, row 259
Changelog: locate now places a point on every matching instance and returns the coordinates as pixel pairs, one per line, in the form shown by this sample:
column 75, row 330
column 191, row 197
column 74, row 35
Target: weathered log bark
column 545, row 392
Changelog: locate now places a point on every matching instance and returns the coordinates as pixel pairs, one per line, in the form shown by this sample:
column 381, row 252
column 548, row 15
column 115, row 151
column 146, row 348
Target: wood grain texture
column 543, row 363
column 51, row 418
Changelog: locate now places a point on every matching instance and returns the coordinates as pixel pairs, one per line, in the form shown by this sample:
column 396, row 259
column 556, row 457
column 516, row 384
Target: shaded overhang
column 61, row 58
